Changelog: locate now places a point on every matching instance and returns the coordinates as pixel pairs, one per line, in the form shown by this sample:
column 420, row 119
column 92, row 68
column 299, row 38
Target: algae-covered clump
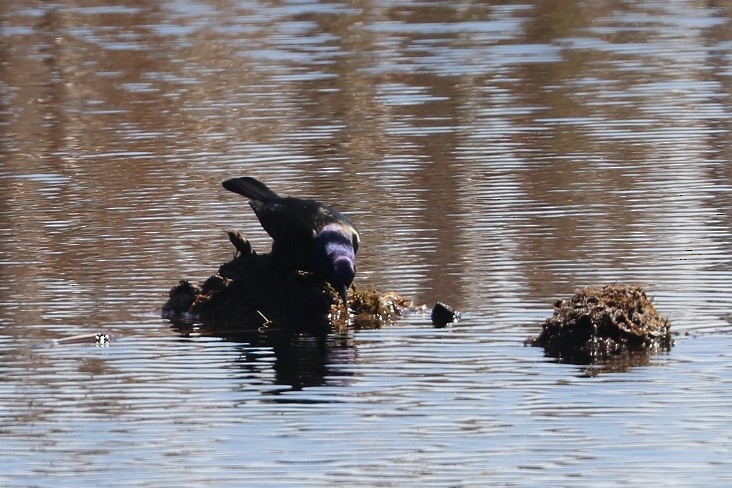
column 249, row 292
column 601, row 323
column 372, row 308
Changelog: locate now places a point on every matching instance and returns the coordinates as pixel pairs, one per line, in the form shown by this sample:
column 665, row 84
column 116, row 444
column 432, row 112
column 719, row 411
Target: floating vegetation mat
column 615, row 324
column 249, row 293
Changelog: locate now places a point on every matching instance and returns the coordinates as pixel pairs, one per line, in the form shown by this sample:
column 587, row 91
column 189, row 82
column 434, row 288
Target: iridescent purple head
column 336, row 257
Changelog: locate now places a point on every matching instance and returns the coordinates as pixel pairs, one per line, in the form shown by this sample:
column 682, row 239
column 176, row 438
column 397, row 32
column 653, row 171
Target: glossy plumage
column 308, row 235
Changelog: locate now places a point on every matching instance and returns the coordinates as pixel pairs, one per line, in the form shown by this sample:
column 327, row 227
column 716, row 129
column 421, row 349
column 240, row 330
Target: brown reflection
column 574, row 167
column 720, row 137
column 92, row 122
column 558, row 176
column 351, row 98
column 512, row 176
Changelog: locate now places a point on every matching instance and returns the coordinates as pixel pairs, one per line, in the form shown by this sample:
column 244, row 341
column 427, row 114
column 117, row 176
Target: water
column 495, row 157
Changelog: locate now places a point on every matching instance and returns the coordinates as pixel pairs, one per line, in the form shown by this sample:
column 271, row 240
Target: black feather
column 308, row 235
column 251, row 188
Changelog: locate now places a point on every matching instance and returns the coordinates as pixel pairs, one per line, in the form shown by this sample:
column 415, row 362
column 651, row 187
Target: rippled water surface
column 494, row 156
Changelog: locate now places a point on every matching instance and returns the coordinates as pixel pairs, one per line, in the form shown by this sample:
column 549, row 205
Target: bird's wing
column 298, row 221
column 288, row 220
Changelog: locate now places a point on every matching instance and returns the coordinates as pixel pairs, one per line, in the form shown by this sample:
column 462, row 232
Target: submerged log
column 250, row 293
column 600, row 324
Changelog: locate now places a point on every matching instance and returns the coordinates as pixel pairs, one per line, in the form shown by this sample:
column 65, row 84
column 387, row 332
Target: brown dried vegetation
column 602, row 323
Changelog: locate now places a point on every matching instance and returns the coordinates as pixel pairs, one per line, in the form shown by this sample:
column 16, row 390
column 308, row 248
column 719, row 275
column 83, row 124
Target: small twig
column 266, row 322
column 242, row 245
column 97, row 338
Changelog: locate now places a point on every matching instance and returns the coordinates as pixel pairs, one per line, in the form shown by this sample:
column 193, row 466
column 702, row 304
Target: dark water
column 494, row 156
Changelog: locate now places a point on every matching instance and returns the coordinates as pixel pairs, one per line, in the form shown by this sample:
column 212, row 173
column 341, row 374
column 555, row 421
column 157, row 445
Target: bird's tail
column 250, row 188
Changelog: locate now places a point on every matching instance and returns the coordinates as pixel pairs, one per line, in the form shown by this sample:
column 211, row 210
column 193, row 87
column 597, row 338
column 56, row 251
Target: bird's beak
column 343, row 292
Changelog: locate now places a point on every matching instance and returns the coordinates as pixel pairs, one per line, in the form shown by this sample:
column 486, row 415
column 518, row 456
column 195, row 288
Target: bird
column 307, row 235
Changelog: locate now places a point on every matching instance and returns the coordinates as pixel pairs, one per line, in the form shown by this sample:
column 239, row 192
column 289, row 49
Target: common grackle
column 308, row 235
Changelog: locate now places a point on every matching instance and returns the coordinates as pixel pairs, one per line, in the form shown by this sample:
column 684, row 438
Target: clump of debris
column 601, row 324
column 250, row 293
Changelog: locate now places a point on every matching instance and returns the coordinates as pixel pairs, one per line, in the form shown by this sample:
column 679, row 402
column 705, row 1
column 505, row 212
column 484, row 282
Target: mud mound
column 601, row 323
column 248, row 292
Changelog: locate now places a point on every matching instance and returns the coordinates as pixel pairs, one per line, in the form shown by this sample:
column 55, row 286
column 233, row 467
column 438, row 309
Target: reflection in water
column 620, row 364
column 528, row 146
column 299, row 360
column 495, row 156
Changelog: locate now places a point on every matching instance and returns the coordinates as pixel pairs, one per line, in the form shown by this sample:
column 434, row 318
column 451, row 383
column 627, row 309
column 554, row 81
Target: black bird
column 308, row 235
